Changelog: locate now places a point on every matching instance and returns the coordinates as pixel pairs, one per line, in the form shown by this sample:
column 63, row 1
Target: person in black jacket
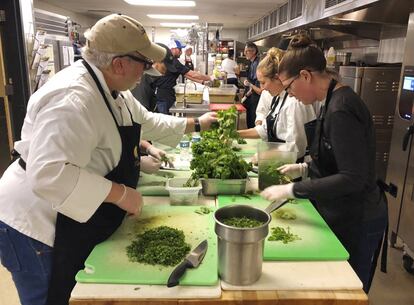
column 145, row 91
column 165, row 84
column 342, row 183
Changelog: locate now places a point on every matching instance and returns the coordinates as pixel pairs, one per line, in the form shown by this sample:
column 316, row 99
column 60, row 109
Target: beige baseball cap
column 122, row 34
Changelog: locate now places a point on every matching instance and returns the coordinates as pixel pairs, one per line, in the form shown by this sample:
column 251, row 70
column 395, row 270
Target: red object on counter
column 217, row 107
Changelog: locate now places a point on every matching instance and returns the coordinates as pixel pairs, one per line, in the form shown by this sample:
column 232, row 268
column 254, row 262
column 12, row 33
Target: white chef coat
column 70, row 142
column 263, row 106
column 228, row 65
column 290, row 124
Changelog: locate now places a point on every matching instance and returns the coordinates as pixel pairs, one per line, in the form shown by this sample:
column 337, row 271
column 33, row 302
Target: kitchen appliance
column 378, row 88
column 400, row 176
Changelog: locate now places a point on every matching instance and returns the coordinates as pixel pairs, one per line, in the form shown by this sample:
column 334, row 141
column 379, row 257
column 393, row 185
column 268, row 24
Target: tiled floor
column 394, row 288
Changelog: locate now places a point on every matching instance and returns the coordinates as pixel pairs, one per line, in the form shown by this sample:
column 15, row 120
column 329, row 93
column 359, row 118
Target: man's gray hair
column 98, row 58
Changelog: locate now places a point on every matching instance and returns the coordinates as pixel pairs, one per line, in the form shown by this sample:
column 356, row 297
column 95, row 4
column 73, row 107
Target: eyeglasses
column 287, row 88
column 147, row 63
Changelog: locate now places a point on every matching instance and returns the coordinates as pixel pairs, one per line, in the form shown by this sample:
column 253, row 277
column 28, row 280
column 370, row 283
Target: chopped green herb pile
column 280, row 234
column 242, row 222
column 285, row 214
column 159, row 246
column 203, row 210
column 269, row 175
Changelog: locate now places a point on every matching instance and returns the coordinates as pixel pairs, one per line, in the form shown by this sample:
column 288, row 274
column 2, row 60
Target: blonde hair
column 269, row 65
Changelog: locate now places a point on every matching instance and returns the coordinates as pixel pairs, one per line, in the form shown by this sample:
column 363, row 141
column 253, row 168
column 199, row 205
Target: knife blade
column 274, row 205
column 192, row 260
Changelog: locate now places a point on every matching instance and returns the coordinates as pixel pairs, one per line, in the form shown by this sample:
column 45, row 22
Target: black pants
column 251, row 106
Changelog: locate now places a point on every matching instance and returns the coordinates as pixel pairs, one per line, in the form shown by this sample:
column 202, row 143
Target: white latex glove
column 206, row 119
column 294, row 170
column 131, row 202
column 156, row 152
column 246, row 83
column 278, row 192
column 149, row 165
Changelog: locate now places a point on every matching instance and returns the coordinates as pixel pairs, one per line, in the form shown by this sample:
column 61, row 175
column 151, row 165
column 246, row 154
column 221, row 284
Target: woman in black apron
column 74, row 241
column 343, row 183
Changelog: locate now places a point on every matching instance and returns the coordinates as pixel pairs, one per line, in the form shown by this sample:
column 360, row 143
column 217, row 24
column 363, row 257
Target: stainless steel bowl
column 240, row 250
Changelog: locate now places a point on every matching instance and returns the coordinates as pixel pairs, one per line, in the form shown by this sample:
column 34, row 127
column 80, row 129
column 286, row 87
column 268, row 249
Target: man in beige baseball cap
column 79, row 164
column 118, row 33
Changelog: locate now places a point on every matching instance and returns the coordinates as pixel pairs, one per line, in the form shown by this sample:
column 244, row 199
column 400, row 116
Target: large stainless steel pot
column 240, row 250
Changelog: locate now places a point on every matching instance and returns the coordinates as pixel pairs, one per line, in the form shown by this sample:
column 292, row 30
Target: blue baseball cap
column 176, row 44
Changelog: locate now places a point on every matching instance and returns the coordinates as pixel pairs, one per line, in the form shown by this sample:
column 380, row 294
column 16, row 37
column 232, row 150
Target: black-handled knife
column 191, row 261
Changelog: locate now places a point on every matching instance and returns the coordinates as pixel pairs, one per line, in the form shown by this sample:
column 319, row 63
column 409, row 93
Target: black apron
column 318, row 143
column 314, row 128
column 272, row 118
column 74, row 241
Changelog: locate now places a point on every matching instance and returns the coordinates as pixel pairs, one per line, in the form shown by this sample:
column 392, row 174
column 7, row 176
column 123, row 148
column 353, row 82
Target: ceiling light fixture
column 167, row 3
column 173, row 17
column 176, row 25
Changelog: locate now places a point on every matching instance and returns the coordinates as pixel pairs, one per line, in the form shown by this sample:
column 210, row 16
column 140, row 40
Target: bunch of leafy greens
column 213, row 156
column 242, row 222
column 270, row 175
column 159, row 246
column 280, row 234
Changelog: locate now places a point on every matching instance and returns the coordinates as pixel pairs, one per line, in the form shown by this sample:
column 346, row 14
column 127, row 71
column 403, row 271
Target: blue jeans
column 29, row 261
column 164, row 106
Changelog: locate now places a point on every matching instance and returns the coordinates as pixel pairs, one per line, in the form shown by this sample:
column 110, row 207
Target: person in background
column 229, row 65
column 165, row 84
column 145, row 91
column 287, row 116
column 342, row 183
column 252, row 87
column 79, row 161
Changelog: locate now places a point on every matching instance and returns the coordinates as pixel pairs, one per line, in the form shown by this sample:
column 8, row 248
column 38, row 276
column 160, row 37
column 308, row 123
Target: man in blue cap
column 165, row 84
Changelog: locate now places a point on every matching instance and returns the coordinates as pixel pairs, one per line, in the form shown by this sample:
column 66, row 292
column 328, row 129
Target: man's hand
column 277, row 192
column 156, row 152
column 206, row 119
column 131, row 201
column 246, row 83
column 149, row 164
column 294, row 171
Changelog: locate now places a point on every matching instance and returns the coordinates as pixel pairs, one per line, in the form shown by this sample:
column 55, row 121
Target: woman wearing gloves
column 287, row 116
column 342, row 182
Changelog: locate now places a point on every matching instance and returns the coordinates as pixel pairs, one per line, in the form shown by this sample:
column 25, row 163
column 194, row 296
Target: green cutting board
column 108, row 262
column 317, row 243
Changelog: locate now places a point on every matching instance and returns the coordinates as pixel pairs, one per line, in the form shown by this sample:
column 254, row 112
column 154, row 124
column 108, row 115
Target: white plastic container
column 181, row 195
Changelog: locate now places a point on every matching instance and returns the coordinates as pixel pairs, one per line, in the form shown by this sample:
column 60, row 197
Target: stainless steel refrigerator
column 378, row 88
column 400, row 175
